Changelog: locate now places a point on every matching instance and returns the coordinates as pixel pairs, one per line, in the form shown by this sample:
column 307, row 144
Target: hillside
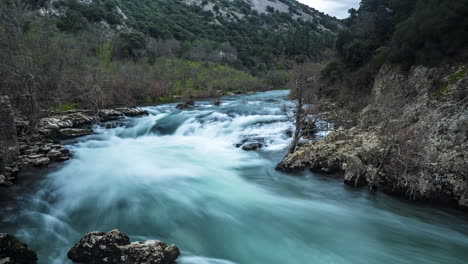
column 260, row 31
column 95, row 54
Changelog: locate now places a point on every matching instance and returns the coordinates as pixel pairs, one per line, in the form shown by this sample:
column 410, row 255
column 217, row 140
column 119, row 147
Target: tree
column 305, row 77
column 17, row 60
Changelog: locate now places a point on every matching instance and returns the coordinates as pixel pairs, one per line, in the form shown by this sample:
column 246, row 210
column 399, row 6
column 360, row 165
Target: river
column 176, row 176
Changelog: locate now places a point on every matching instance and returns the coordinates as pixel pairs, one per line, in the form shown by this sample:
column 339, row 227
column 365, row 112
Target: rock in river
column 13, row 251
column 251, row 146
column 115, row 247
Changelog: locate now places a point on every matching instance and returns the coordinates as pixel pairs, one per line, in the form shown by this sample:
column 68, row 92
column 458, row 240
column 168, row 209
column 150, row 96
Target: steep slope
column 261, row 31
column 411, row 140
column 398, row 90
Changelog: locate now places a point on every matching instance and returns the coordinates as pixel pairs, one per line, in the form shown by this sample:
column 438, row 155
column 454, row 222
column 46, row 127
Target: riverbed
column 177, row 176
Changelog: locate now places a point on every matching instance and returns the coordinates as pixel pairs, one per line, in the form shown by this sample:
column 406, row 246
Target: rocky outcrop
column 74, row 124
column 115, row 247
column 411, row 140
column 19, row 149
column 341, row 151
column 13, row 251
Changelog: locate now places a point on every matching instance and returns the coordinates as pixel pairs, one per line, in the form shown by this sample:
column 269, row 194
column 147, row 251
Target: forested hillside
column 67, row 54
column 400, row 32
column 255, row 32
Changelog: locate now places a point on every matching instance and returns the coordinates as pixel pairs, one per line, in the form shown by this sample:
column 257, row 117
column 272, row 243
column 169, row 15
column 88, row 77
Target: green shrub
column 67, row 107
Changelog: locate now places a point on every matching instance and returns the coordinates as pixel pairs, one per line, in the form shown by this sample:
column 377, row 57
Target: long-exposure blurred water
column 176, row 176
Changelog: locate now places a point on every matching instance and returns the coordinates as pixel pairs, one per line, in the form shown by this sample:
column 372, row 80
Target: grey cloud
column 338, row 8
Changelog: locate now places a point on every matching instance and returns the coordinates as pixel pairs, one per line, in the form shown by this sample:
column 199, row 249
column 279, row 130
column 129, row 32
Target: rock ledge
column 115, row 247
column 13, row 251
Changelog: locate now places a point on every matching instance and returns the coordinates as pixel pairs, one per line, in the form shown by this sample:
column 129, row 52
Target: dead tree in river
column 304, row 75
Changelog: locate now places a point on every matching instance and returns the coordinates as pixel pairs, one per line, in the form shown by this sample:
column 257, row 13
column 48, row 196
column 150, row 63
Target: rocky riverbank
column 13, row 251
column 96, row 248
column 20, row 150
column 411, row 140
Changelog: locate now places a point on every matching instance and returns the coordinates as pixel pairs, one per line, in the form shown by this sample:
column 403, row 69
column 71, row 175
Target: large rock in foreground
column 13, row 251
column 115, row 247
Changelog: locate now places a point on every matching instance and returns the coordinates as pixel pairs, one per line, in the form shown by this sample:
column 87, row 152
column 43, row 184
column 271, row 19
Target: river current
column 177, row 176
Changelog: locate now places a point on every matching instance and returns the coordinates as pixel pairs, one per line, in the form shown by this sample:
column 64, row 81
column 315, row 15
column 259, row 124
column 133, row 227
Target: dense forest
column 399, row 32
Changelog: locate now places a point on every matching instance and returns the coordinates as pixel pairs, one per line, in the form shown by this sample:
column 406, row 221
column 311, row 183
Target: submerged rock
column 249, row 144
column 13, row 251
column 115, row 247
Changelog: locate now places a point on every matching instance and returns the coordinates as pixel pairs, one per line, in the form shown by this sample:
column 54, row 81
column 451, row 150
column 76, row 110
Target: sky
column 338, row 8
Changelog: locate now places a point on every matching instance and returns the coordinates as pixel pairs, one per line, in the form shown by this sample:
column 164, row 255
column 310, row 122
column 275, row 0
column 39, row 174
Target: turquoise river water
column 176, row 176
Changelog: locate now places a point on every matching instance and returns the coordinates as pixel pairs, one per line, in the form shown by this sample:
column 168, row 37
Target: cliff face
column 411, row 140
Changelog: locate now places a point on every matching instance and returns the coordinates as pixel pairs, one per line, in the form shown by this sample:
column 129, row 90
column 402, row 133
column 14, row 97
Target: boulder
column 115, row 247
column 41, row 162
column 109, row 114
column 68, row 133
column 13, row 251
column 36, row 156
column 251, row 146
column 64, row 151
column 133, row 111
column 45, row 149
column 54, row 154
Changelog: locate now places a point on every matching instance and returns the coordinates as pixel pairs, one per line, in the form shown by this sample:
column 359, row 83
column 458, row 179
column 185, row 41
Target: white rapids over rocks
column 177, row 176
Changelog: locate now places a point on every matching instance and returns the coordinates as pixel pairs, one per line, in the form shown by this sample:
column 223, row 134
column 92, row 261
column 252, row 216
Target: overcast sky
column 338, row 8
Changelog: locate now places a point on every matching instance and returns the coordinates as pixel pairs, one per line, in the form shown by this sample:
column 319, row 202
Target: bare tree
column 304, row 77
column 16, row 58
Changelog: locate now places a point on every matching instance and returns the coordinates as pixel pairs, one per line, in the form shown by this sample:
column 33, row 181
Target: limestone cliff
column 411, row 140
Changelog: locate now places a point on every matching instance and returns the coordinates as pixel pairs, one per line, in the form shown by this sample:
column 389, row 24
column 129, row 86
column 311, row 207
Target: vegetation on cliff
column 401, row 32
column 398, row 91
